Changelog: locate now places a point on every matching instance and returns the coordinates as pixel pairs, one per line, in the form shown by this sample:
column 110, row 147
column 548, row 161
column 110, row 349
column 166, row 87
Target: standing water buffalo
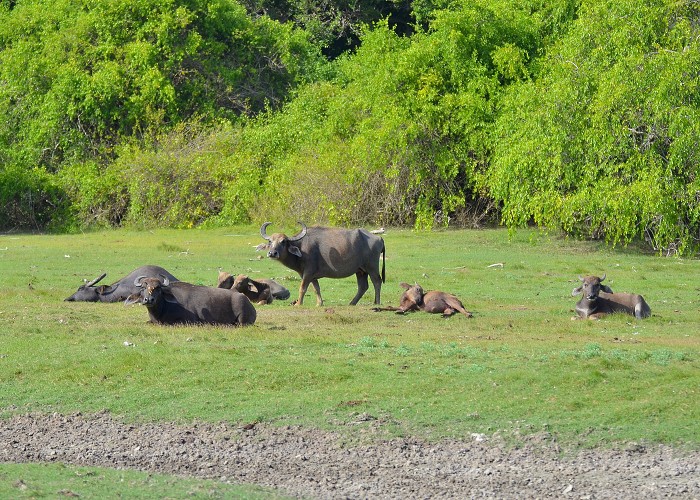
column 119, row 291
column 323, row 252
column 599, row 300
column 172, row 303
column 415, row 299
column 261, row 290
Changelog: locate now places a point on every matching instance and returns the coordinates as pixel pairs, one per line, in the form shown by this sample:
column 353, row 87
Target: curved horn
column 263, row 231
column 96, row 280
column 165, row 281
column 138, row 280
column 604, row 275
column 301, row 234
column 581, row 278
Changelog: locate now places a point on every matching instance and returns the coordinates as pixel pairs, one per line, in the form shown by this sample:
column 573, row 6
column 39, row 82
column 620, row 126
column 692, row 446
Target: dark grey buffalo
column 259, row 291
column 172, row 303
column 119, row 291
column 599, row 300
column 323, row 252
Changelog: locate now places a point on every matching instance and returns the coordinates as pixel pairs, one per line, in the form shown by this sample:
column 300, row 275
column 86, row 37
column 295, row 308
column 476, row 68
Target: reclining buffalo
column 599, row 300
column 119, row 291
column 171, row 303
column 434, row 301
column 323, row 252
column 260, row 291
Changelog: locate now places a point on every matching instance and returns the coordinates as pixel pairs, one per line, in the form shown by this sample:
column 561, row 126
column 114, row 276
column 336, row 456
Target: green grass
column 520, row 366
column 20, row 481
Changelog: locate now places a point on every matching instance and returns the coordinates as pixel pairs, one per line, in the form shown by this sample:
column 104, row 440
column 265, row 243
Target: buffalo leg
column 466, row 313
column 457, row 306
column 362, row 286
column 377, row 283
column 595, row 316
column 302, row 291
column 388, row 308
column 317, row 289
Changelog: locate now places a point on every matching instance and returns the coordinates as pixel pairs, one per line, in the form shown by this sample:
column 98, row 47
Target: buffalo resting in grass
column 183, row 303
column 260, row 291
column 323, row 252
column 119, row 291
column 599, row 300
column 434, row 301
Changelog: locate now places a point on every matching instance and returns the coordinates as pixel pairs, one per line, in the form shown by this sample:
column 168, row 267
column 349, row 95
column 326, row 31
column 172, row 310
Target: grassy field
column 520, row 366
column 58, row 481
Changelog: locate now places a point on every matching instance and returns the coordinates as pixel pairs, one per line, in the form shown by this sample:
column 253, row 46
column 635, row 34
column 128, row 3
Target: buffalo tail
column 383, row 264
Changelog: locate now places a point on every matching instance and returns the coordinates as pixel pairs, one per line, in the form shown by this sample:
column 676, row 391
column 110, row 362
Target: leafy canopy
column 81, row 77
column 580, row 115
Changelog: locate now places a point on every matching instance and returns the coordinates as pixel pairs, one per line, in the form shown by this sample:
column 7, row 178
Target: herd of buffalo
column 314, row 253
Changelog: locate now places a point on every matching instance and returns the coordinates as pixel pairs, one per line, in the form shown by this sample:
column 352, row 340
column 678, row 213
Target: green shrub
column 604, row 142
column 178, row 183
column 80, row 78
column 98, row 197
column 30, row 199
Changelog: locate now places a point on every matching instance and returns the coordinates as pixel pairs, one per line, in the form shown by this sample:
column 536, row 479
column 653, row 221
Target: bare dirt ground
column 318, row 464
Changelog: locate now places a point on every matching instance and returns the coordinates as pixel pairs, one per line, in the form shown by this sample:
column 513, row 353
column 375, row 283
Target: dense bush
column 604, row 143
column 98, row 194
column 31, row 199
column 336, row 25
column 80, row 78
column 401, row 135
column 580, row 115
column 188, row 178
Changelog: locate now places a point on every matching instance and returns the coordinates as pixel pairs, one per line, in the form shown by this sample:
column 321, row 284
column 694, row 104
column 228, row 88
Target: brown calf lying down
column 599, row 300
column 261, row 291
column 415, row 299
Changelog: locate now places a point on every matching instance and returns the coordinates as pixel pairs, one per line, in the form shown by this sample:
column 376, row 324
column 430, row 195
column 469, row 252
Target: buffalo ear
column 226, row 283
column 606, row 289
column 253, row 288
column 294, row 250
column 262, row 246
column 576, row 291
column 405, row 285
column 168, row 296
column 134, row 298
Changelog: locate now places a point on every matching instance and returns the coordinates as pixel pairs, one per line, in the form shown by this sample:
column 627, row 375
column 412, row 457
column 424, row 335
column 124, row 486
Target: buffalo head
column 279, row 245
column 225, row 280
column 591, row 287
column 88, row 292
column 151, row 291
column 413, row 295
column 242, row 283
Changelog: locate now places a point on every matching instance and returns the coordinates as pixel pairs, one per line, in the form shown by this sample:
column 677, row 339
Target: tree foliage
column 604, row 142
column 336, row 25
column 580, row 115
column 80, row 77
column 404, row 125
